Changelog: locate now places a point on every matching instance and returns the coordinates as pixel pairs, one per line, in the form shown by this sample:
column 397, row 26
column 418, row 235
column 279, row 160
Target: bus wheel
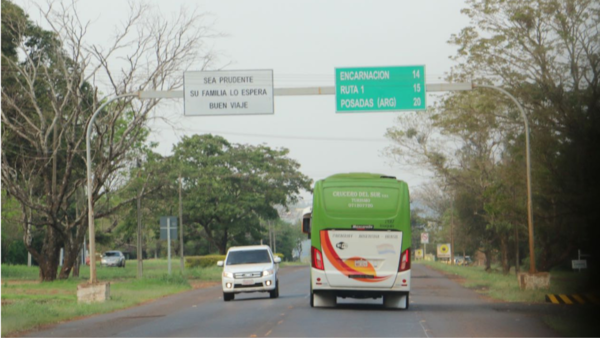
column 312, row 299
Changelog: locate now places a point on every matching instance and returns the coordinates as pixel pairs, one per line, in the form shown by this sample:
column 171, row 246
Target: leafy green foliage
column 544, row 52
column 228, row 187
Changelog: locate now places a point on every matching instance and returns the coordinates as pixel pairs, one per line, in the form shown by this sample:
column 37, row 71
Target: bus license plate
column 361, row 264
column 247, row 282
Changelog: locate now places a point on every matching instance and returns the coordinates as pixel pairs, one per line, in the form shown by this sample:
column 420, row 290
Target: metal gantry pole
column 180, row 228
column 92, row 228
column 532, row 269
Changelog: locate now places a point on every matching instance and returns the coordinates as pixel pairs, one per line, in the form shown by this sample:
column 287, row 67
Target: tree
column 463, row 141
column 229, row 188
column 49, row 95
column 546, row 52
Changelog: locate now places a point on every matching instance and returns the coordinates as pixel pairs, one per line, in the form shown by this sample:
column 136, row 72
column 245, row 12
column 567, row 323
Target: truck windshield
column 248, row 257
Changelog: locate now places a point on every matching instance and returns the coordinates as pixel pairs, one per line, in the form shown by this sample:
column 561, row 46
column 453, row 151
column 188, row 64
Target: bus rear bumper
column 320, row 284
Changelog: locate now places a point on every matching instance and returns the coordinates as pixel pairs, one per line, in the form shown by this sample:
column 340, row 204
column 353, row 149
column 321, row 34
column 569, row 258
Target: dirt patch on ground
column 202, row 284
column 19, row 282
column 460, row 280
column 43, row 292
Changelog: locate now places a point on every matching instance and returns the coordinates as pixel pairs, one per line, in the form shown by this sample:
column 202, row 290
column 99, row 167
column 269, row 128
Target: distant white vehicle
column 113, row 258
column 249, row 269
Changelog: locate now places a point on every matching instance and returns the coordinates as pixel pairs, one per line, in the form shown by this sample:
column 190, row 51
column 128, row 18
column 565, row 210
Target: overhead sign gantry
column 236, row 92
column 380, row 89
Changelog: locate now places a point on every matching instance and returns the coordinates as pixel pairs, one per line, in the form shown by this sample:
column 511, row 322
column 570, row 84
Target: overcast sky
column 303, row 42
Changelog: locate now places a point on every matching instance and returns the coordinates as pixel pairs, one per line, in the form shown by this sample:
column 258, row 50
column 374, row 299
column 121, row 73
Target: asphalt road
column 438, row 307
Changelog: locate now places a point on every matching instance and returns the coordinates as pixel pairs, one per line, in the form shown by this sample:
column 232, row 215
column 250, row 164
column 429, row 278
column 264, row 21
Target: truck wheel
column 228, row 296
column 275, row 292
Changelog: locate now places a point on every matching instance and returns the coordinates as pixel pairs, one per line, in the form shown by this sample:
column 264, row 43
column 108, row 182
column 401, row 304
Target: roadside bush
column 175, row 279
column 203, row 261
column 14, row 253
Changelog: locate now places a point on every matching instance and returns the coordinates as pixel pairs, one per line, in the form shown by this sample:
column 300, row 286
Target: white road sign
column 237, row 92
column 424, row 238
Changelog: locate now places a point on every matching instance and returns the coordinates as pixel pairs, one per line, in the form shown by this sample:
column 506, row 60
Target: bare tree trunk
column 49, row 256
column 517, row 259
column 77, row 265
column 488, row 259
column 140, row 263
column 504, row 252
column 222, row 246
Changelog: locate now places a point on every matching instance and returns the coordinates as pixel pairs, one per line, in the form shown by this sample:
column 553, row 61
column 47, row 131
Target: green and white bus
column 360, row 239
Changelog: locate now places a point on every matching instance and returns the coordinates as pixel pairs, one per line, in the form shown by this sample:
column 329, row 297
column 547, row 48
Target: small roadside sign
column 172, row 226
column 443, row 250
column 579, row 264
column 419, row 253
column 424, row 238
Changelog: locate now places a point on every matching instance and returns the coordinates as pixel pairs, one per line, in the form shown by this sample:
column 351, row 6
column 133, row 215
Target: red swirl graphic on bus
column 344, row 266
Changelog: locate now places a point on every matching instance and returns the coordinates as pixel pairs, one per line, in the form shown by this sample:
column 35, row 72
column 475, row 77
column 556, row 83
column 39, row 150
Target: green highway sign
column 379, row 89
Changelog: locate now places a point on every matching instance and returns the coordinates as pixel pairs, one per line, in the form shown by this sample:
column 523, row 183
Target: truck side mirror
column 220, row 263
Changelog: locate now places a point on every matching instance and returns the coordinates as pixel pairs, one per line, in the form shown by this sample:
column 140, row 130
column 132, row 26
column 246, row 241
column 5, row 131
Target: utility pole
column 169, row 242
column 452, row 230
column 140, row 263
column 90, row 185
column 532, row 269
column 180, row 227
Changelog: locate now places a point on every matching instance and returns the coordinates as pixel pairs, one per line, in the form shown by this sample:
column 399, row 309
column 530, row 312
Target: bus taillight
column 317, row 259
column 404, row 261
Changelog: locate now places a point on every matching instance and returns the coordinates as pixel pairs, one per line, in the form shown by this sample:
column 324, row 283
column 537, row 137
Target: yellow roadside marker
column 553, row 299
column 592, row 298
column 578, row 298
column 565, row 299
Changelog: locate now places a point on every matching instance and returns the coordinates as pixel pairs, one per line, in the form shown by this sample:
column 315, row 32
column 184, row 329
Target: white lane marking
column 423, row 327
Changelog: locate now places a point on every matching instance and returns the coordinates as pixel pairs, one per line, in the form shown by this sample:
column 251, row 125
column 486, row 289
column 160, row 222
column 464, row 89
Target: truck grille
column 241, row 275
column 255, row 285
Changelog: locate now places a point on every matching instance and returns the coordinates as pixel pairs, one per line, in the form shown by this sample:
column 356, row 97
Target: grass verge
column 506, row 287
column 28, row 304
column 573, row 320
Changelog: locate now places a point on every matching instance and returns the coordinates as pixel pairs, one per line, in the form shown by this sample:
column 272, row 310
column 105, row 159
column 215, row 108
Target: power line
column 289, row 137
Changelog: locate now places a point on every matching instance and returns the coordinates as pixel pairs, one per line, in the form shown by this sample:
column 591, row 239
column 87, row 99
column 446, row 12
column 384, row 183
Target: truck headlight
column 227, row 274
column 267, row 272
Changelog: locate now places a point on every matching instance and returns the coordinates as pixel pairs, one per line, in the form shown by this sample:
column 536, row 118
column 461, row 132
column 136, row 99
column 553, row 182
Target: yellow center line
column 279, row 322
column 268, row 333
column 565, row 299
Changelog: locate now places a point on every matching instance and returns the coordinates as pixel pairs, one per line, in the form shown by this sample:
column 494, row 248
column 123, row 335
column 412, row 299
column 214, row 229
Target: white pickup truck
column 249, row 269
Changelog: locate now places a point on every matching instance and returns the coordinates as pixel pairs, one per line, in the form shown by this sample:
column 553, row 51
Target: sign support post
column 169, row 241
